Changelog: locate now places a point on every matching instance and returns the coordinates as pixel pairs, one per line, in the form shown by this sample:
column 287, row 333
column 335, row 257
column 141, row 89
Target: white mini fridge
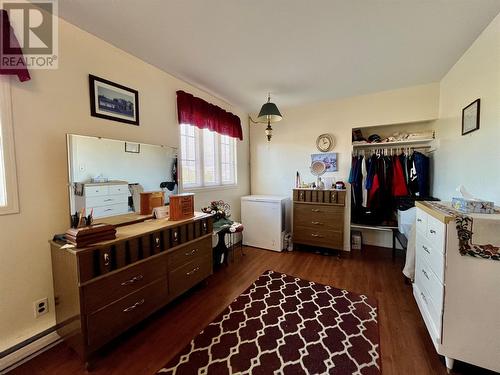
column 266, row 219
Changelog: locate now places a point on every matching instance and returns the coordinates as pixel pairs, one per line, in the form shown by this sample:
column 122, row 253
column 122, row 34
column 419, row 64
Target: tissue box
column 471, row 206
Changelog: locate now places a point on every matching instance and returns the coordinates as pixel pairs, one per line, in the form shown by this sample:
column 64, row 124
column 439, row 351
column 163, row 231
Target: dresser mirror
column 106, row 176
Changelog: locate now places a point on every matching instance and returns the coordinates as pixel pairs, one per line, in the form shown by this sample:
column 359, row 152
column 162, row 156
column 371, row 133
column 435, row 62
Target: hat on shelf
column 374, row 138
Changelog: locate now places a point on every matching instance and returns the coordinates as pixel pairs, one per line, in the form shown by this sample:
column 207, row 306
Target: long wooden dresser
column 318, row 217
column 102, row 290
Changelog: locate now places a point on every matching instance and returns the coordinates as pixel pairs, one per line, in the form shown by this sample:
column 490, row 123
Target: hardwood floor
column 405, row 345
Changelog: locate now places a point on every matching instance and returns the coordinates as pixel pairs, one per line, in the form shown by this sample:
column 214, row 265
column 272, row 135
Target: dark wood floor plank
column 405, row 345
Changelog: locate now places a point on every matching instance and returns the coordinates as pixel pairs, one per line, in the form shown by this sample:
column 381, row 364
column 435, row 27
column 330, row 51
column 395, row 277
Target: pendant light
column 269, row 113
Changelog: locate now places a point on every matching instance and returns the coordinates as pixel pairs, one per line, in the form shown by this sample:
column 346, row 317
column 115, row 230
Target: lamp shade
column 269, row 113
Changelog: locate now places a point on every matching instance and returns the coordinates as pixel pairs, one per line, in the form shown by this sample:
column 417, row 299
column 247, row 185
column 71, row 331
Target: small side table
column 235, row 228
column 220, row 251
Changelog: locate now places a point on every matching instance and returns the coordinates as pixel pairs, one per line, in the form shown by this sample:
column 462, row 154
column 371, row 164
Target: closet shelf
column 384, row 228
column 397, row 143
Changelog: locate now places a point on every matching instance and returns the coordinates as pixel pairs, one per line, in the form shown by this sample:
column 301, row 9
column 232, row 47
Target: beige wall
column 274, row 164
column 52, row 104
column 472, row 160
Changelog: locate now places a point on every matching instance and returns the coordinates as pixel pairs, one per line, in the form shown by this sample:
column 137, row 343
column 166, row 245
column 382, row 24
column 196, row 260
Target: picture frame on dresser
column 112, row 101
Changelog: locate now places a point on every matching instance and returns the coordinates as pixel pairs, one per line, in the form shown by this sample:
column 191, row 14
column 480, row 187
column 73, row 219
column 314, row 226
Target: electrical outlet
column 41, row 307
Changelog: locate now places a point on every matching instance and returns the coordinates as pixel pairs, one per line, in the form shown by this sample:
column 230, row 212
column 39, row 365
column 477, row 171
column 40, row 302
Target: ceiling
column 300, row 50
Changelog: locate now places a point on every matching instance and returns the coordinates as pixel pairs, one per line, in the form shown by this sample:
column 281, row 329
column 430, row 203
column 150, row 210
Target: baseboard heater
column 25, row 350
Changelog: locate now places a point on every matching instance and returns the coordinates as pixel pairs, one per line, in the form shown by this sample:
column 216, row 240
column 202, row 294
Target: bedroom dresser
column 104, row 289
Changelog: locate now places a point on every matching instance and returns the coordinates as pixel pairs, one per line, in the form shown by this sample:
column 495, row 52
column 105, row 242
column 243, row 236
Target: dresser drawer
column 315, row 221
column 436, row 233
column 106, row 200
column 118, row 190
column 188, row 275
column 319, row 237
column 428, row 281
column 432, row 318
column 421, row 221
column 95, row 191
column 433, row 257
column 186, row 254
column 106, row 290
column 112, row 209
column 316, row 212
column 109, row 322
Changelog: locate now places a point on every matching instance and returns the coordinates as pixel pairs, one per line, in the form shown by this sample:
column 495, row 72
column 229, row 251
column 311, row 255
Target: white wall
column 45, row 109
column 274, row 164
column 474, row 159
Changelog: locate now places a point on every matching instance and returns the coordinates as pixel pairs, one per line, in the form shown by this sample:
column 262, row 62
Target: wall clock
column 325, row 142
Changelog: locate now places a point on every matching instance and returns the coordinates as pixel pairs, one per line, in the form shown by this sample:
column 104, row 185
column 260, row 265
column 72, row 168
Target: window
column 8, row 181
column 208, row 159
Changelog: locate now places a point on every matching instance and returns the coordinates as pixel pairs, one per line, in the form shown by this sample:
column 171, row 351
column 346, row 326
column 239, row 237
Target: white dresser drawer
column 111, row 210
column 432, row 319
column 433, row 257
column 118, row 189
column 421, row 221
column 427, row 280
column 106, row 200
column 436, row 233
column 95, row 191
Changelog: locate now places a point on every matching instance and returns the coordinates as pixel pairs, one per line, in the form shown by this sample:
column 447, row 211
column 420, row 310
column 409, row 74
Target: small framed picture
column 134, row 148
column 329, row 158
column 470, row 117
column 112, row 101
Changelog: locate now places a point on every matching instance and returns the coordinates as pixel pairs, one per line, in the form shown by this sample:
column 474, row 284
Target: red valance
column 195, row 111
column 11, row 56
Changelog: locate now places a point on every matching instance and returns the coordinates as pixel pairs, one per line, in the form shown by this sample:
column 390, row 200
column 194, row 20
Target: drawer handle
column 133, row 280
column 108, row 200
column 315, row 210
column 194, row 270
column 134, row 306
column 192, row 252
column 426, row 249
column 423, row 297
column 316, row 223
column 107, row 259
column 316, row 235
column 419, row 220
column 175, row 236
column 425, row 274
column 157, row 241
column 432, row 231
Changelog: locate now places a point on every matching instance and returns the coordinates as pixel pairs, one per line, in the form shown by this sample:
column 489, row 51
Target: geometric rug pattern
column 285, row 325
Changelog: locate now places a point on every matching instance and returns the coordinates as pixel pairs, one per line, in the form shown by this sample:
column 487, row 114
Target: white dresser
column 458, row 296
column 106, row 199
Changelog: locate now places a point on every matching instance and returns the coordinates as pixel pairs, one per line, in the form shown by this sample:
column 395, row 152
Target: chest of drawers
column 318, row 218
column 457, row 295
column 101, row 291
column 105, row 199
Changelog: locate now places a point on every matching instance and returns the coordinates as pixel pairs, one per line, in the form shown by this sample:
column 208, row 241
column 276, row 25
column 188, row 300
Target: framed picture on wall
column 329, row 158
column 470, row 117
column 112, row 101
column 134, row 148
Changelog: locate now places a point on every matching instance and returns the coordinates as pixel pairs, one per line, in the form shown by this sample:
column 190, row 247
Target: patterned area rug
column 285, row 325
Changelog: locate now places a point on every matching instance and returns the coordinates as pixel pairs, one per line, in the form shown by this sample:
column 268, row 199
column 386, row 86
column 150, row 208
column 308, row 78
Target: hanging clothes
column 422, row 167
column 399, row 188
column 379, row 181
column 363, row 183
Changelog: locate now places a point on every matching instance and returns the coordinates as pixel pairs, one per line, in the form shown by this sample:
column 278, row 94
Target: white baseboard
column 29, row 351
